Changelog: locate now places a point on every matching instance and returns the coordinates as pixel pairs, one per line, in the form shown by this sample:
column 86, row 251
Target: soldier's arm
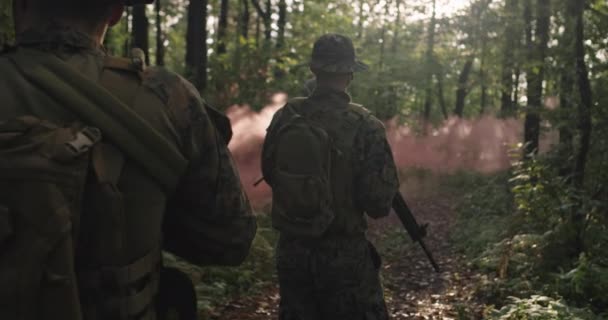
column 209, row 220
column 376, row 178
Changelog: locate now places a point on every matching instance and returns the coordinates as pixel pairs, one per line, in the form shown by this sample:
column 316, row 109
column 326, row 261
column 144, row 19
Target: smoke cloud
column 481, row 145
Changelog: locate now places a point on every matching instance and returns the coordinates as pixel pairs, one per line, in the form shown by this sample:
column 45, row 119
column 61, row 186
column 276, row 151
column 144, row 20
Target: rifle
column 416, row 231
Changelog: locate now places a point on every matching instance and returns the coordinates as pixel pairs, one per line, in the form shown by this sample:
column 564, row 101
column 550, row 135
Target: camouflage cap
column 335, row 53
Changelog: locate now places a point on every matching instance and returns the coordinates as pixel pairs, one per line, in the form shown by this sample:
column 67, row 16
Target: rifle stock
column 416, row 231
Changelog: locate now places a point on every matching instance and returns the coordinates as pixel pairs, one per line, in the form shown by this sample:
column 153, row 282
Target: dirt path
column 412, row 289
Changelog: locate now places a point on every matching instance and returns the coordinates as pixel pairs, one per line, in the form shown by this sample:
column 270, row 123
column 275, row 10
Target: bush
column 539, row 308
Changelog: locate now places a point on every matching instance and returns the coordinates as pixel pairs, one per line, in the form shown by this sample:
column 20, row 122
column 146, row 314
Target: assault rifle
column 416, row 231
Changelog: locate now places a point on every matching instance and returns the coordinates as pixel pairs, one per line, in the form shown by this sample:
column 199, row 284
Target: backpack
column 300, row 152
column 307, row 160
column 44, row 167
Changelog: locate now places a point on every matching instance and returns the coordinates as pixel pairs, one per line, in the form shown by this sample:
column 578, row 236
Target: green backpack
column 43, row 171
column 300, row 152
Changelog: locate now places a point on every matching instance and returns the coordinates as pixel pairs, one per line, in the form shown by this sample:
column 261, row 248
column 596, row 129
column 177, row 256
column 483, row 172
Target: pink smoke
column 249, row 130
column 480, row 144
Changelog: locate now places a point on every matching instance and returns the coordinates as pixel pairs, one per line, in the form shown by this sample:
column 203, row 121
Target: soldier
column 329, row 164
column 128, row 215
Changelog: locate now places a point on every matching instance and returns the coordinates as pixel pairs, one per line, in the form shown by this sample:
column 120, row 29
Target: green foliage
column 539, row 308
column 542, row 241
column 484, row 212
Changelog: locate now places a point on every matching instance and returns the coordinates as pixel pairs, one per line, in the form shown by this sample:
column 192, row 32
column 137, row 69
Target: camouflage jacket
column 208, row 219
column 374, row 173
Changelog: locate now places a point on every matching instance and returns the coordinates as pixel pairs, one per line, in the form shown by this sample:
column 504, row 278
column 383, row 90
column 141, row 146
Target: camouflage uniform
column 337, row 276
column 207, row 220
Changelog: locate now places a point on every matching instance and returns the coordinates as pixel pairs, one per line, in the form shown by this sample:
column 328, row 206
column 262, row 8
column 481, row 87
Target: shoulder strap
column 97, row 106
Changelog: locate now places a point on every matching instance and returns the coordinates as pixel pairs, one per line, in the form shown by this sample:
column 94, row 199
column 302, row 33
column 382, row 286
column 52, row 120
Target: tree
column 222, row 27
column 160, row 39
column 463, row 87
column 140, row 30
column 430, row 62
column 281, row 23
column 535, row 73
column 511, row 40
column 244, row 18
column 266, row 16
column 196, row 43
column 584, row 86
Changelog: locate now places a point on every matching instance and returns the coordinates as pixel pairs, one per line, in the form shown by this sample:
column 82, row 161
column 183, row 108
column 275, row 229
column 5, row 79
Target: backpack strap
column 97, row 106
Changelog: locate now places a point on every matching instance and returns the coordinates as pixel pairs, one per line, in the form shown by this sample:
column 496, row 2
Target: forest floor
column 412, row 289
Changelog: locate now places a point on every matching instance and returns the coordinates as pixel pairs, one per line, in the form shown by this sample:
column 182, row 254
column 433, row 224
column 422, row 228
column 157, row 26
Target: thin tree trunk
column 462, row 91
column 440, row 92
column 258, row 29
column 244, row 20
column 160, row 47
column 397, row 27
column 383, row 33
column 429, row 57
column 508, row 58
column 482, row 80
column 584, row 110
column 360, row 22
column 566, row 92
column 222, row 27
column 196, row 43
column 266, row 16
column 140, row 30
column 535, row 73
column 281, row 23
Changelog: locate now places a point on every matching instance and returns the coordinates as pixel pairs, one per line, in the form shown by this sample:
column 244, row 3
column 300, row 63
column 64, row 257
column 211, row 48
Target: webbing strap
column 98, row 107
column 121, row 276
column 134, row 304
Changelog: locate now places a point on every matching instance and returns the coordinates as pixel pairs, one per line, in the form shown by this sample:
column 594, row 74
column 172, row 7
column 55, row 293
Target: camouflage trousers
column 329, row 279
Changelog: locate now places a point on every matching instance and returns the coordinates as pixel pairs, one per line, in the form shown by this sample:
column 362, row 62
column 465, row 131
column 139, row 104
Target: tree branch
column 258, row 8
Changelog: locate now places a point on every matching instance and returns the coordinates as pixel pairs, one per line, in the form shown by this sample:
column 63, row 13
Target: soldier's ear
column 116, row 14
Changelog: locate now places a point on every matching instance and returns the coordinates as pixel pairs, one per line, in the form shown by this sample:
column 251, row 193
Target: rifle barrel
column 411, row 225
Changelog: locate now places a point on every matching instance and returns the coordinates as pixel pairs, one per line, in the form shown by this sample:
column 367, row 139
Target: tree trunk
column 584, row 110
column 462, row 91
column 535, row 72
column 440, row 92
column 160, row 47
column 566, row 91
column 244, row 20
column 360, row 22
column 266, row 16
column 429, row 62
column 383, row 34
column 281, row 24
column 508, row 59
column 222, row 28
column 396, row 27
column 140, row 30
column 196, row 43
column 482, row 78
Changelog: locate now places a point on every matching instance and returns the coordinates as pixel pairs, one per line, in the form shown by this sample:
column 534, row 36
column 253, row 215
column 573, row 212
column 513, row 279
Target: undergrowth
column 540, row 243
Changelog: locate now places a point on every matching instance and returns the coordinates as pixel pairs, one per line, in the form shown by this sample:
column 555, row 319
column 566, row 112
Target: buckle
column 85, row 139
